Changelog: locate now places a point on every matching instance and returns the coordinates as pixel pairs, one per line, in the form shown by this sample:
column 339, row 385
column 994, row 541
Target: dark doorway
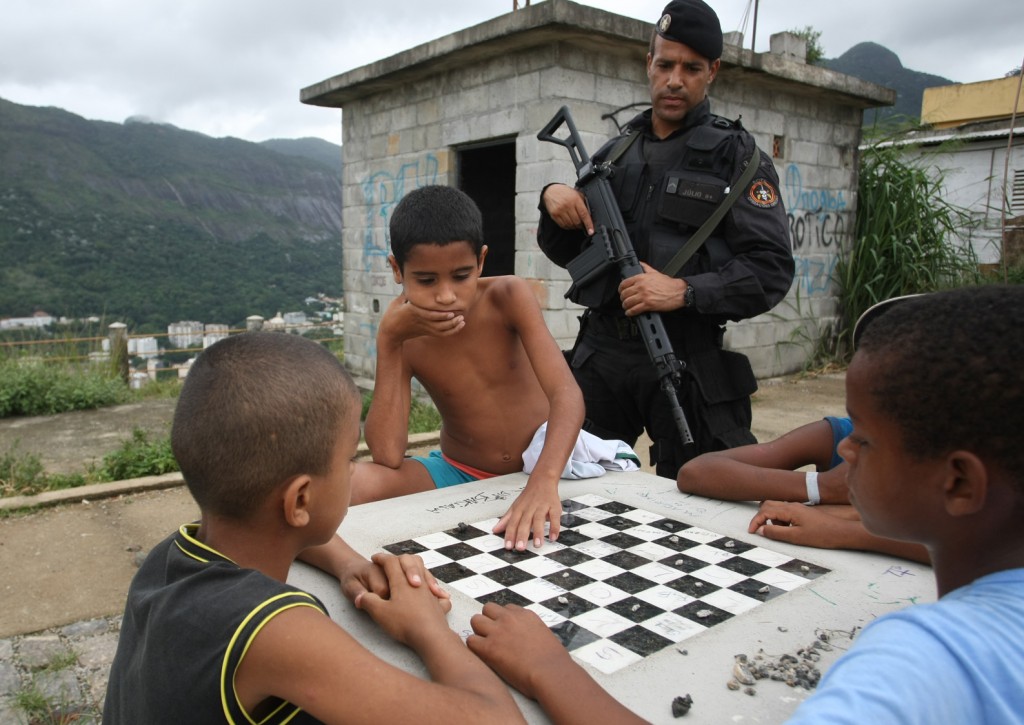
column 487, row 173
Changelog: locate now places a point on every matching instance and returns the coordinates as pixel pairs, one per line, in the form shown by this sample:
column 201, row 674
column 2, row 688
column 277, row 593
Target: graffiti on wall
column 819, row 223
column 814, row 274
column 818, row 218
column 381, row 191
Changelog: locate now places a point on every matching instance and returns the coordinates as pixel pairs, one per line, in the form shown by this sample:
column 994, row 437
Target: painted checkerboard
column 620, row 583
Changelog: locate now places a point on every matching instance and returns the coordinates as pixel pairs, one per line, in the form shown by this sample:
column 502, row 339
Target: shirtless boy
column 265, row 430
column 481, row 349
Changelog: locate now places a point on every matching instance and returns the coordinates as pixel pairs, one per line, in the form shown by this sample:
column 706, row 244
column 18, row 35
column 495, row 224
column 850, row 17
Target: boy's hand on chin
column 404, row 321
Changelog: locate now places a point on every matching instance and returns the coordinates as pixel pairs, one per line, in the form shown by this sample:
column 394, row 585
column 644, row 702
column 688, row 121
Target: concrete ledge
column 155, row 483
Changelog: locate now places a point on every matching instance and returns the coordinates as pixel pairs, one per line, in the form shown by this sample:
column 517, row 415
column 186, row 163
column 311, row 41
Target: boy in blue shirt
column 936, row 396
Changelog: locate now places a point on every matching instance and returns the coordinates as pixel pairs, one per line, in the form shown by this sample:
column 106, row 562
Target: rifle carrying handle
column 576, row 152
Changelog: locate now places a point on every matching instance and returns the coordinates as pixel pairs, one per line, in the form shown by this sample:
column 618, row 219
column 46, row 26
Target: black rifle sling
column 622, row 146
column 693, row 243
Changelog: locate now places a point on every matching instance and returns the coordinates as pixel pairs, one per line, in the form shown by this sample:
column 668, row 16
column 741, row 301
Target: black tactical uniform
column 665, row 190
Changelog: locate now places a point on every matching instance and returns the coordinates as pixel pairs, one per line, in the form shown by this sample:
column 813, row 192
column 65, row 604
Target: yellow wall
column 945, row 106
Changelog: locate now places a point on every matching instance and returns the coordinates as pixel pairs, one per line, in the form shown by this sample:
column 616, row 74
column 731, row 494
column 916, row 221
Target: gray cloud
column 235, row 67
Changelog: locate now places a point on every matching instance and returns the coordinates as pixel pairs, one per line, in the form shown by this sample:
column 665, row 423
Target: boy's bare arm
column 519, row 646
column 798, row 524
column 540, row 501
column 766, row 470
column 303, row 657
column 386, row 430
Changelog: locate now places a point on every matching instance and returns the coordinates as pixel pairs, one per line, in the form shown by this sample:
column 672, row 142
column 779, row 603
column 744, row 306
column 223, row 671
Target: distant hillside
column 877, row 64
column 150, row 223
column 315, row 149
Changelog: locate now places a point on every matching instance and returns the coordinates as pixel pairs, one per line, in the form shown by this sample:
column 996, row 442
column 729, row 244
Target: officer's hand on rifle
column 568, row 208
column 651, row 291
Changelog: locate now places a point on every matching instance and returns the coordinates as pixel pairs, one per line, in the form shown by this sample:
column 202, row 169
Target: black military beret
column 692, row 23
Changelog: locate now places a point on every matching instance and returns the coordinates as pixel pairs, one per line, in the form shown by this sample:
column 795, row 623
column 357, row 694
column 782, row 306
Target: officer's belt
column 621, row 328
column 689, row 331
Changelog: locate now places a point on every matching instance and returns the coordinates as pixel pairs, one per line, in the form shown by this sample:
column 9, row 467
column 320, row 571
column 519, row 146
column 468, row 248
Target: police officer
column 674, row 165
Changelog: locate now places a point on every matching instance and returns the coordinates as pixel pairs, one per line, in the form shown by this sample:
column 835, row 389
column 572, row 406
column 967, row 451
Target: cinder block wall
column 402, row 139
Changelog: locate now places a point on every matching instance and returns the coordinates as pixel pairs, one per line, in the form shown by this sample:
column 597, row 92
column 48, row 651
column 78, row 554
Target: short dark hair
column 256, row 409
column 435, row 215
column 949, row 373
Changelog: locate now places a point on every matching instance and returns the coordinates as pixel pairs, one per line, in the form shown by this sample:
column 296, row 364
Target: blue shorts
column 442, row 472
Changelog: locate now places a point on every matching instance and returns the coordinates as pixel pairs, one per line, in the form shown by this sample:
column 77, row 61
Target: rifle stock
column 611, row 246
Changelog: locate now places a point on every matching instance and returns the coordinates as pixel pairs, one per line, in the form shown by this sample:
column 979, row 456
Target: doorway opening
column 487, row 173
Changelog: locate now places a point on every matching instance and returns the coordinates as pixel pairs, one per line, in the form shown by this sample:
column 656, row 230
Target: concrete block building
column 464, row 110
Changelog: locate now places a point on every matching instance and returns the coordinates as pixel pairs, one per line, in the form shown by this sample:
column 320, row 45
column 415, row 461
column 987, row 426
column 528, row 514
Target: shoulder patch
column 763, row 194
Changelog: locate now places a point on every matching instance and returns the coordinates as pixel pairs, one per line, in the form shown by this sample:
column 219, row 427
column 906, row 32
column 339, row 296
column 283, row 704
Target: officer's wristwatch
column 689, row 296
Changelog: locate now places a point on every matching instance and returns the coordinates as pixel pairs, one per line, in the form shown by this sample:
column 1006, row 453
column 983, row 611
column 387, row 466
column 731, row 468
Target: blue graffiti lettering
column 814, row 274
column 381, row 191
column 814, row 200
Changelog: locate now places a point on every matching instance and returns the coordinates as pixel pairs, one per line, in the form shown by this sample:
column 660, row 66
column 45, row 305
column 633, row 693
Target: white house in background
column 978, row 146
column 185, row 333
column 36, row 321
column 145, row 347
column 274, row 324
column 213, row 332
column 295, row 321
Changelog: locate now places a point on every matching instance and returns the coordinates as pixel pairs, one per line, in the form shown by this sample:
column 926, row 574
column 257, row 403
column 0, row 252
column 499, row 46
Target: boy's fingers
column 412, row 570
column 368, row 602
column 783, row 533
column 502, row 523
column 399, row 567
column 556, row 525
column 538, row 528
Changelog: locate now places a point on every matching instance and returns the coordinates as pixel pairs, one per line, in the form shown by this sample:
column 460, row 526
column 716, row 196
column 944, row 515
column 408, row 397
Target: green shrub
column 163, row 388
column 37, row 388
column 903, row 239
column 21, row 474
column 423, row 416
column 137, row 457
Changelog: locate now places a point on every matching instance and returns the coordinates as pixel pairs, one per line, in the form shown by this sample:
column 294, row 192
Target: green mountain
column 877, row 64
column 148, row 223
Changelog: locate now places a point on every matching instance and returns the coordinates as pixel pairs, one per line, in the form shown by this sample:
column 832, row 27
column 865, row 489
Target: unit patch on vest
column 762, row 194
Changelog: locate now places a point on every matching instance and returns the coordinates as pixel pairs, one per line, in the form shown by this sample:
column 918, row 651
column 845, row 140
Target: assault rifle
column 610, row 246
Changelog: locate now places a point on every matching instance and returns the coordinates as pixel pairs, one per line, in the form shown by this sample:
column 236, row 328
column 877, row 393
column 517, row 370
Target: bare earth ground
column 74, row 561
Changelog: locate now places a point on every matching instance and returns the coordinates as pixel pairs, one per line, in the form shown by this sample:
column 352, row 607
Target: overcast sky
column 235, row 67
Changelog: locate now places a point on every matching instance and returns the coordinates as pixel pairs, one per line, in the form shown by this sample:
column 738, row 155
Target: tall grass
column 44, row 388
column 904, row 238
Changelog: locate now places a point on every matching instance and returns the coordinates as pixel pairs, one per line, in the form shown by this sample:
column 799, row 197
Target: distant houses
column 37, row 321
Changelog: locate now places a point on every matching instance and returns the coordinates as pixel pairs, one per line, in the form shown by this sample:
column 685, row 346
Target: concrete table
column 858, row 588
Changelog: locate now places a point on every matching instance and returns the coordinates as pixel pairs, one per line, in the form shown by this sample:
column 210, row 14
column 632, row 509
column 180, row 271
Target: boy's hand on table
column 503, row 633
column 409, row 607
column 796, row 523
column 370, row 576
column 528, row 512
column 404, row 321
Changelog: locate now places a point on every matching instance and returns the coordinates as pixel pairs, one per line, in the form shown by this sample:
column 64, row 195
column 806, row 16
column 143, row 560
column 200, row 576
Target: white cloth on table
column 591, row 456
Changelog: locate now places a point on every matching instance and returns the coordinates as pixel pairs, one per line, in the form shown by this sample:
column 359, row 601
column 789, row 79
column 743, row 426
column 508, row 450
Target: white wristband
column 813, row 497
